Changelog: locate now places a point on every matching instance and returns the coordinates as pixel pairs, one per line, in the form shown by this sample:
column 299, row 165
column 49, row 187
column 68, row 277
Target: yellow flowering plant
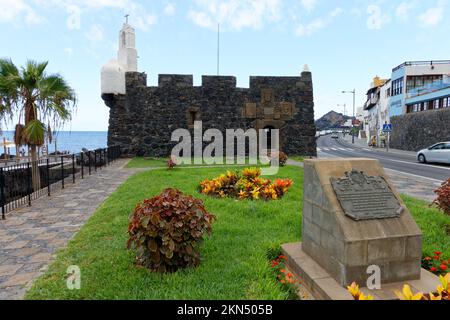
column 245, row 185
column 442, row 292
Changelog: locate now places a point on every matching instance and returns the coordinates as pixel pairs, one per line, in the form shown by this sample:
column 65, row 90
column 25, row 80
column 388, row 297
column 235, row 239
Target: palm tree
column 37, row 97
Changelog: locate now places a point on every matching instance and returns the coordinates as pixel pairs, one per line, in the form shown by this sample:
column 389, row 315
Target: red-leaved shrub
column 167, row 231
column 443, row 197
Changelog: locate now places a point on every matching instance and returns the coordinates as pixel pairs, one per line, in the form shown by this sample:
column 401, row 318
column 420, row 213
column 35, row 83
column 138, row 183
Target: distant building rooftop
column 420, row 63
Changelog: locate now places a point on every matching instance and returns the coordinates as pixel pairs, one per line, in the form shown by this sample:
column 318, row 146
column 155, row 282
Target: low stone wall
column 416, row 131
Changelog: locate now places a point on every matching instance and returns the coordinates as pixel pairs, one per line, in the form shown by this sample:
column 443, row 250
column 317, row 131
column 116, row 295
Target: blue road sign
column 387, row 128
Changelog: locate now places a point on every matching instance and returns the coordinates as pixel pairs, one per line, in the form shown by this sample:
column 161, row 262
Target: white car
column 440, row 152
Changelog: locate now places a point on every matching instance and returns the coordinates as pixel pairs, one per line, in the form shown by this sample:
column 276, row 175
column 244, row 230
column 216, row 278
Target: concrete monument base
column 324, row 287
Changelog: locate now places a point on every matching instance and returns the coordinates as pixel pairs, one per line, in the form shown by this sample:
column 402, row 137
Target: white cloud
column 403, row 10
column 144, row 22
column 140, row 17
column 95, row 34
column 234, row 14
column 169, row 9
column 309, row 5
column 13, row 10
column 376, row 19
column 432, row 17
column 317, row 24
column 336, row 12
column 310, row 28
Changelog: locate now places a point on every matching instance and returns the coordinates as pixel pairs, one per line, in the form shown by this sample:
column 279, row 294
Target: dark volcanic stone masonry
column 143, row 119
column 416, row 131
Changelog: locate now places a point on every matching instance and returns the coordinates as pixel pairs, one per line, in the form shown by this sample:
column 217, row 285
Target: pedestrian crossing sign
column 387, row 128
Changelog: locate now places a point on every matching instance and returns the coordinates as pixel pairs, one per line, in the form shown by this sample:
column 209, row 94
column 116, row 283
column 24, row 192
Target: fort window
column 192, row 115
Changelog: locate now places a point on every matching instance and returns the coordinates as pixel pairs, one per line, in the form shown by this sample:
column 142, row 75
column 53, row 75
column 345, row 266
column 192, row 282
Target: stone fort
column 142, row 118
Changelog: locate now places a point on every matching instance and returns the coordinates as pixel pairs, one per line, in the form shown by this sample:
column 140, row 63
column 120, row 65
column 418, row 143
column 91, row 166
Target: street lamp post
column 353, row 120
column 345, row 106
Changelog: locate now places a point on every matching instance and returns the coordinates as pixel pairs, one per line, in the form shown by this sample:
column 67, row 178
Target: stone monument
column 353, row 219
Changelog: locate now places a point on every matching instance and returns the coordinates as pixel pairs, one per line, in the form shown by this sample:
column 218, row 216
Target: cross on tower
column 126, row 18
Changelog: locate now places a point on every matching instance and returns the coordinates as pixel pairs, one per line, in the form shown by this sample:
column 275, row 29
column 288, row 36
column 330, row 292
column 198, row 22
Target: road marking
column 438, row 182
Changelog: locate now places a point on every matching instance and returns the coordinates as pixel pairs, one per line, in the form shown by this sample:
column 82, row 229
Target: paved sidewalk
column 30, row 236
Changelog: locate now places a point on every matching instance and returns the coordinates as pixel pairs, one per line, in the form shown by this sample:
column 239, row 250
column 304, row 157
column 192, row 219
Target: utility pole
column 354, row 118
column 345, row 106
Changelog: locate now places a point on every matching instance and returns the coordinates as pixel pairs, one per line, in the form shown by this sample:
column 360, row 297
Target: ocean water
column 72, row 141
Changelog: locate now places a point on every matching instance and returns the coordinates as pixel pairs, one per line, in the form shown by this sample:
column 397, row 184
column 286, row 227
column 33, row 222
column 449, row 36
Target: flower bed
column 245, row 185
column 436, row 264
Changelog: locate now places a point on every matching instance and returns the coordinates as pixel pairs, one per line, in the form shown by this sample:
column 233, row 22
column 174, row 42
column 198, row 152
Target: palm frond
column 34, row 133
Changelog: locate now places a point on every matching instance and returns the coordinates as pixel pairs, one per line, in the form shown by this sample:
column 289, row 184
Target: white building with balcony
column 420, row 86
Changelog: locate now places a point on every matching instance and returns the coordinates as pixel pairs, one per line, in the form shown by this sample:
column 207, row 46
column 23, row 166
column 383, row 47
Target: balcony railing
column 371, row 102
column 429, row 88
column 421, row 63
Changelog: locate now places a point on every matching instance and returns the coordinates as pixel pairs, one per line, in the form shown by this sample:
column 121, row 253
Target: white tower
column 113, row 73
column 127, row 55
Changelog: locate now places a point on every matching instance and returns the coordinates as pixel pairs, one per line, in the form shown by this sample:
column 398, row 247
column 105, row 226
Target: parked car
column 439, row 152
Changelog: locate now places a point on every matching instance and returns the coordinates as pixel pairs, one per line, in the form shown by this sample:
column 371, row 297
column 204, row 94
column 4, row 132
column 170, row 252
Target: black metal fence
column 22, row 183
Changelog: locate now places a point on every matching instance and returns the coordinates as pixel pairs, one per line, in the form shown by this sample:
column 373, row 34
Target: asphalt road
column 405, row 162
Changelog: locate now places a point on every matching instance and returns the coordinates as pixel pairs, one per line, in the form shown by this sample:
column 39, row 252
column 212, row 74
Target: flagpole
column 218, row 48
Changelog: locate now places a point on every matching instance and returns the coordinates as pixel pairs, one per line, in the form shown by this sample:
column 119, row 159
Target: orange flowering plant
column 436, row 263
column 284, row 276
column 245, row 185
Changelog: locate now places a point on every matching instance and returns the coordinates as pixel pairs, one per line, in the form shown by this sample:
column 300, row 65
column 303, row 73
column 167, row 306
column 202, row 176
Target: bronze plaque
column 366, row 198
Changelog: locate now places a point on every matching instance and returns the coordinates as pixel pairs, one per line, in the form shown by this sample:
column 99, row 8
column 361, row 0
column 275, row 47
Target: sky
column 344, row 43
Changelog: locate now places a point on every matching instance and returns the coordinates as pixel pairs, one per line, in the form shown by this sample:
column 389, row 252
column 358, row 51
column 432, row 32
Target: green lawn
column 144, row 162
column 235, row 264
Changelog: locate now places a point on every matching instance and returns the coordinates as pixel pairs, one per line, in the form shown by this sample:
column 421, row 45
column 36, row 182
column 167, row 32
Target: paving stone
column 19, row 279
column 11, row 269
column 40, row 257
column 31, row 235
column 15, row 244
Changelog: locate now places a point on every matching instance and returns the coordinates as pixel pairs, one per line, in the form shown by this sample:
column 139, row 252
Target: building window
column 446, row 102
column 397, row 87
column 436, row 104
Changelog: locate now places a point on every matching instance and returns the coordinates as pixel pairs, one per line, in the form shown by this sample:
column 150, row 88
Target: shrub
column 443, row 197
column 171, row 162
column 248, row 185
column 167, row 231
